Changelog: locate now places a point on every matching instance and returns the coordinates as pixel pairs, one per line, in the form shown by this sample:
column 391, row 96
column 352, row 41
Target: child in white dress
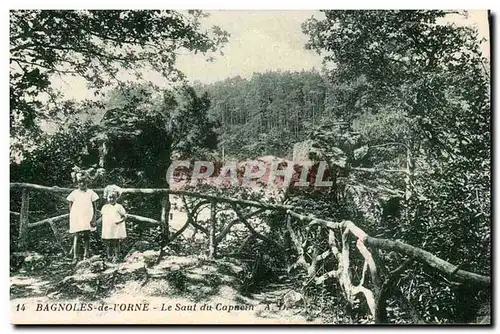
column 82, row 209
column 113, row 222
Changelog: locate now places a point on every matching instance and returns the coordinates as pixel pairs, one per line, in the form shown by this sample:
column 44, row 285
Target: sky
column 260, row 41
column 271, row 40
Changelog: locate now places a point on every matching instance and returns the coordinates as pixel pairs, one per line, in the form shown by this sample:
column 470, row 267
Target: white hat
column 112, row 189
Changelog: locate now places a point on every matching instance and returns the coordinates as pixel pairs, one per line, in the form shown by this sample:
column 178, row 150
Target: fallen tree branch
column 411, row 251
column 430, row 259
column 228, row 227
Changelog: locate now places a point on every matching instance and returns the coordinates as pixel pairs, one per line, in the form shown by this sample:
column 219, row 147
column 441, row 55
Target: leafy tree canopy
column 416, row 88
column 94, row 45
column 411, row 61
column 143, row 128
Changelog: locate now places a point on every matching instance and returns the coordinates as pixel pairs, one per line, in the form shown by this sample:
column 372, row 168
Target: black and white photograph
column 310, row 167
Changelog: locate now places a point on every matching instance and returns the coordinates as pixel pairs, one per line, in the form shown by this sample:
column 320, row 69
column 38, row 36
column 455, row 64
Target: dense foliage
column 143, row 129
column 267, row 113
column 402, row 120
column 129, row 134
column 96, row 45
column 429, row 76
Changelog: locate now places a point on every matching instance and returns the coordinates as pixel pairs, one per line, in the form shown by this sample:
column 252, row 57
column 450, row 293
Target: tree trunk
column 165, row 218
column 23, row 219
column 212, row 242
column 161, row 181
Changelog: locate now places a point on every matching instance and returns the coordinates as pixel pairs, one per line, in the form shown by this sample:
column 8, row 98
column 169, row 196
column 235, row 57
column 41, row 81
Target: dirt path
column 177, row 290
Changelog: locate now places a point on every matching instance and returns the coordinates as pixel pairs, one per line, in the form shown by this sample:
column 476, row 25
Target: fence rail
column 339, row 234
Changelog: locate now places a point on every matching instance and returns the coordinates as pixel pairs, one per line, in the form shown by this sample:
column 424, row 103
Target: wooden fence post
column 164, row 226
column 165, row 218
column 23, row 219
column 212, row 247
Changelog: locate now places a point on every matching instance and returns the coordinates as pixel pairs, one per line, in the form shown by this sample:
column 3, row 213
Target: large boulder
column 34, row 261
column 292, row 299
column 95, row 264
column 149, row 257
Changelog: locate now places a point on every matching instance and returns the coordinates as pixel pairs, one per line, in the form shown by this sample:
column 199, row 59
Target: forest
column 401, row 114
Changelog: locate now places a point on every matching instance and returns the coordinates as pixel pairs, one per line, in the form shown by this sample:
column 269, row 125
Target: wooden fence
column 303, row 229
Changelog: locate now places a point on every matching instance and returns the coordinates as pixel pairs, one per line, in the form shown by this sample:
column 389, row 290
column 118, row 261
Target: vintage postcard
column 250, row 167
